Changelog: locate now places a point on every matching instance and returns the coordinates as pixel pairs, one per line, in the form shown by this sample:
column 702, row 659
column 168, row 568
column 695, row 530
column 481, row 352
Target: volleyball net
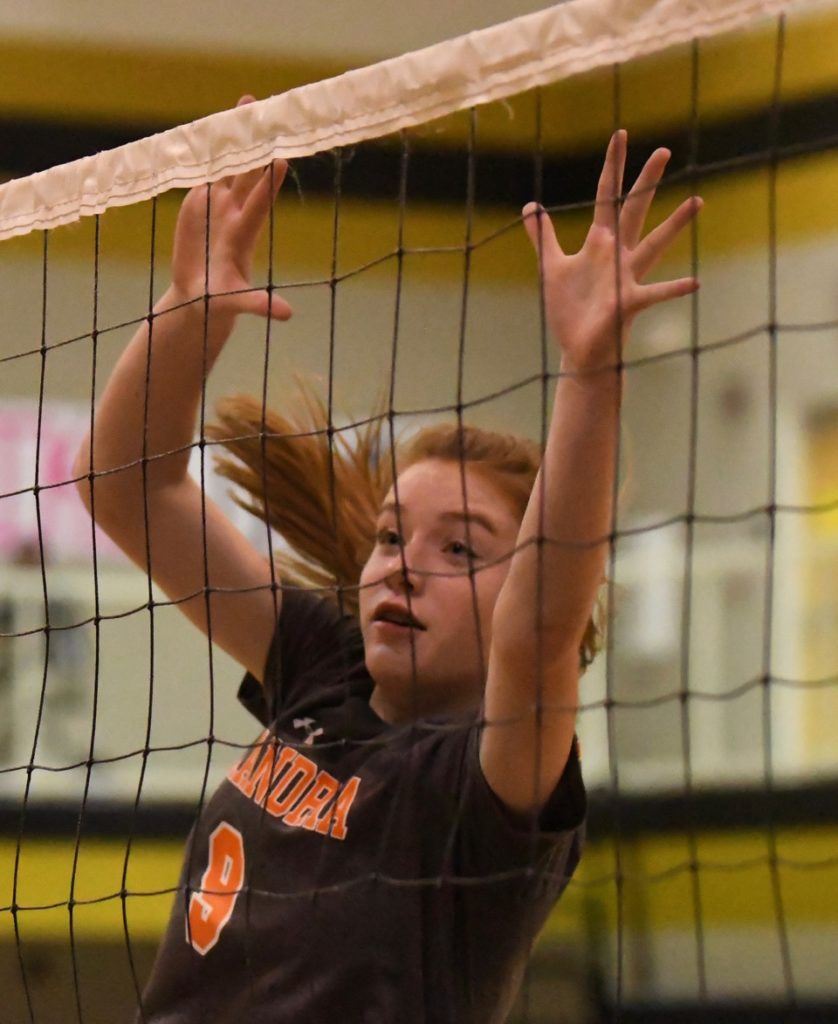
column 707, row 721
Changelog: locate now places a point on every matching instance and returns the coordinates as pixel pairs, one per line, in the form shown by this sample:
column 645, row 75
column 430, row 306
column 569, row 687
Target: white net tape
column 367, row 103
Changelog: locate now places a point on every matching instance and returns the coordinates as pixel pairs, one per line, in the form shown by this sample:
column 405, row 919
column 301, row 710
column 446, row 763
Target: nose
column 400, row 575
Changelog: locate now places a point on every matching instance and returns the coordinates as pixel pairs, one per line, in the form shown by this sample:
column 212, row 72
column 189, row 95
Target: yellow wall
column 734, row 875
column 113, row 84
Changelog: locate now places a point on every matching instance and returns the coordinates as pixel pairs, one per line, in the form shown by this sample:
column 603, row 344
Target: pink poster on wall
column 65, row 525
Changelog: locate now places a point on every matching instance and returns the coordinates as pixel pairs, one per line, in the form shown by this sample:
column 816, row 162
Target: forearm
column 546, row 601
column 571, row 506
column 150, row 403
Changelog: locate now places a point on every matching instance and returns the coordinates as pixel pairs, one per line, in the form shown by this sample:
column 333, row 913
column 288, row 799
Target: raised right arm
column 149, row 505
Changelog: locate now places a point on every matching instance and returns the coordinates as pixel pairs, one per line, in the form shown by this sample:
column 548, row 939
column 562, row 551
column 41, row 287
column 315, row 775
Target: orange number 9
column 211, row 908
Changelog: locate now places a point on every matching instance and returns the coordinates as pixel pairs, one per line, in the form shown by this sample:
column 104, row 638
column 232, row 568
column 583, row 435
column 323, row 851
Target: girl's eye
column 457, row 547
column 388, row 537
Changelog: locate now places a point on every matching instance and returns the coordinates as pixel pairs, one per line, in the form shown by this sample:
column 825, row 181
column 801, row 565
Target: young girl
column 390, row 846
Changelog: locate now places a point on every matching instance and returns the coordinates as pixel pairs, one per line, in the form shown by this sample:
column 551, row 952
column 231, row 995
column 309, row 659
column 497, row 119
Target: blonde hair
column 324, row 498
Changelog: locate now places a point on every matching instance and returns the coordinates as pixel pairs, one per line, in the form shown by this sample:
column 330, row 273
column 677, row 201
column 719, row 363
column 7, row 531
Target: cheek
column 367, row 576
column 487, row 584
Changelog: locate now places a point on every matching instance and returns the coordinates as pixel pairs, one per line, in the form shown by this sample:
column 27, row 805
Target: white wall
column 502, row 344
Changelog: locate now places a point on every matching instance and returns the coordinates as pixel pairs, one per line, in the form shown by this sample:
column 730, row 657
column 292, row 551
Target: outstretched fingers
column 265, row 185
column 654, row 245
column 636, row 207
column 610, row 184
column 242, row 185
column 661, row 291
column 542, row 234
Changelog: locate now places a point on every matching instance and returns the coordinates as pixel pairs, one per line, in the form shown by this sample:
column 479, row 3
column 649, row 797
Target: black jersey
column 349, row 870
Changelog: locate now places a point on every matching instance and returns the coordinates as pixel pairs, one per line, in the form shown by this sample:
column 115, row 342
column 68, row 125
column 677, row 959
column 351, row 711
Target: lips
column 397, row 615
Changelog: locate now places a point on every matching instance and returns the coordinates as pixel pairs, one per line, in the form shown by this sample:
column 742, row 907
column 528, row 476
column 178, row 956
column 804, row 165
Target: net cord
column 47, row 635
column 783, row 939
column 689, row 548
column 206, row 591
column 538, row 197
column 619, row 849
column 91, row 756
column 255, row 861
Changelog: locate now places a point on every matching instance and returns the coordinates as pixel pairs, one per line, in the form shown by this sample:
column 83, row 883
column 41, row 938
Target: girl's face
column 434, row 662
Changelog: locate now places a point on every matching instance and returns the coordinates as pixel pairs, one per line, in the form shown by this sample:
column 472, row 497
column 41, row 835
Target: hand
column 581, row 290
column 238, row 208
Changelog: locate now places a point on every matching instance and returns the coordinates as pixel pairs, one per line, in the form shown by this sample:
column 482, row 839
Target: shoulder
column 454, row 784
column 314, row 641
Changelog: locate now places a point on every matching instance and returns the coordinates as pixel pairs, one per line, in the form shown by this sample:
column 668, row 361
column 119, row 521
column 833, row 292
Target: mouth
column 393, row 631
column 395, row 617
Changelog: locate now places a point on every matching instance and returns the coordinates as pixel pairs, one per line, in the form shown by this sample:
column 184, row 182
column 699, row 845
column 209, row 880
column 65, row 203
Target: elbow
column 85, row 479
column 81, row 474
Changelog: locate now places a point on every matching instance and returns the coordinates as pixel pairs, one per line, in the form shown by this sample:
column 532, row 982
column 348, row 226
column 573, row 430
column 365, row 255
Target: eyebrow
column 472, row 517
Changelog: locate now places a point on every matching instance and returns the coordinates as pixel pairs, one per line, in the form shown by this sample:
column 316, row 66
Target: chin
column 395, row 668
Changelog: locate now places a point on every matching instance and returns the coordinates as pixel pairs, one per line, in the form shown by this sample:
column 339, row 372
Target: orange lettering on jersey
column 341, row 809
column 305, row 813
column 300, row 771
column 282, row 764
column 270, row 769
column 244, row 767
column 260, row 776
column 289, row 786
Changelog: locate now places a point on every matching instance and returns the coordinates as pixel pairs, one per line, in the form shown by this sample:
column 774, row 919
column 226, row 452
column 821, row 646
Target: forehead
column 435, row 486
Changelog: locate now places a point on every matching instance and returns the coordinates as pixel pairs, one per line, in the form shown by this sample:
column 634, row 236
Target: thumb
column 260, row 304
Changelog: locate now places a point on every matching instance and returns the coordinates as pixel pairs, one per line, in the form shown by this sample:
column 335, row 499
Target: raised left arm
column 591, row 299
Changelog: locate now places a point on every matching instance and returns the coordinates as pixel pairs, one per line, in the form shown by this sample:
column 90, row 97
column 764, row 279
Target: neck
column 410, row 707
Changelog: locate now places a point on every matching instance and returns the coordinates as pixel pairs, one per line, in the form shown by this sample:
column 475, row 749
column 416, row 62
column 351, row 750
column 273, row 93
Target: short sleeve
column 487, row 836
column 312, row 638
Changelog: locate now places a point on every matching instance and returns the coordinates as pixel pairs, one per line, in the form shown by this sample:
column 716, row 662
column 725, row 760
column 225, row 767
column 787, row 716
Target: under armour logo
column 311, row 734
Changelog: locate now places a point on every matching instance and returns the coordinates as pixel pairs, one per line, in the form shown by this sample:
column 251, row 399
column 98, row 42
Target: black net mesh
column 706, row 722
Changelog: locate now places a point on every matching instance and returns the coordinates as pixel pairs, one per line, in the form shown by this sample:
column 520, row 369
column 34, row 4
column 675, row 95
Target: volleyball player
column 391, row 844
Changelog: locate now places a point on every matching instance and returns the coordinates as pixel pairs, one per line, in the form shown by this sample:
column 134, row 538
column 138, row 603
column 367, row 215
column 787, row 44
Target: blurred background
column 710, row 725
